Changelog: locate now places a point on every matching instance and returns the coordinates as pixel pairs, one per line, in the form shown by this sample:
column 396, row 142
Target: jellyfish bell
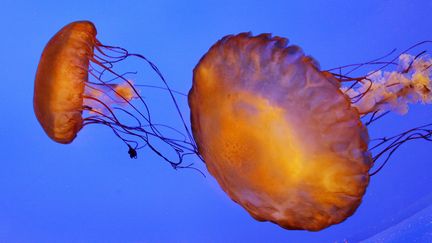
column 76, row 85
column 287, row 141
column 60, row 80
column 279, row 135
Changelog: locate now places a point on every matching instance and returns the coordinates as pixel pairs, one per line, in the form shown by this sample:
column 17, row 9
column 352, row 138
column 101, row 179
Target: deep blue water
column 90, row 191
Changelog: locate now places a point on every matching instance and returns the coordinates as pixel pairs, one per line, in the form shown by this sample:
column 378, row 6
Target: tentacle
column 144, row 130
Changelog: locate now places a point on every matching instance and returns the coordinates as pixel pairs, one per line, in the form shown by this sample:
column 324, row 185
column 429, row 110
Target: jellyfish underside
column 279, row 136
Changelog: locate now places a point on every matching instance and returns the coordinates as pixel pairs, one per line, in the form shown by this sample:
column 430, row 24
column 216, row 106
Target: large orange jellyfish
column 284, row 139
column 76, row 86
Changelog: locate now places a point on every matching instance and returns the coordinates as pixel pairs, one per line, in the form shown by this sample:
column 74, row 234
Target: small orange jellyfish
column 284, row 139
column 76, row 86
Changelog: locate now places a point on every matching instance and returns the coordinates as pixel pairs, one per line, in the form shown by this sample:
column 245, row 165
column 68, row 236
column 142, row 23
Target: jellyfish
column 76, row 85
column 288, row 141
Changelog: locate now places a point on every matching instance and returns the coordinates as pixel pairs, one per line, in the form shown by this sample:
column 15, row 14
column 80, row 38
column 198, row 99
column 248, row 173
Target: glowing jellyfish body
column 76, row 85
column 279, row 136
column 60, row 81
